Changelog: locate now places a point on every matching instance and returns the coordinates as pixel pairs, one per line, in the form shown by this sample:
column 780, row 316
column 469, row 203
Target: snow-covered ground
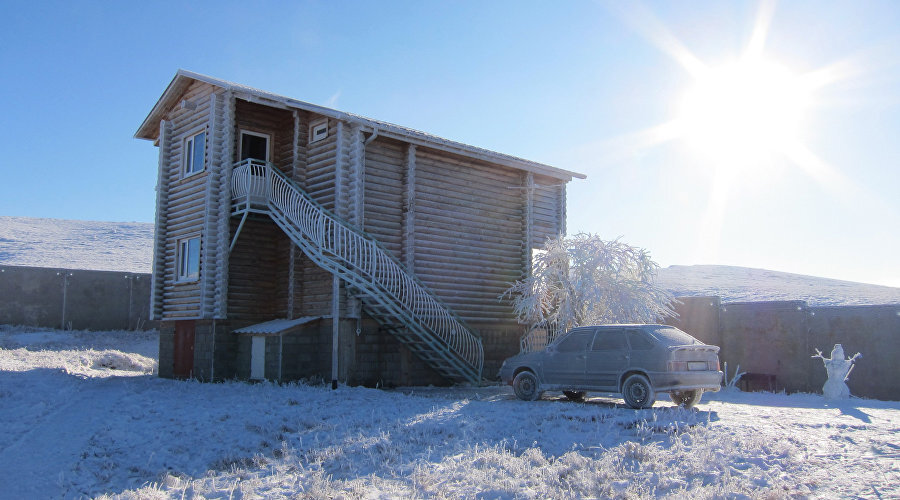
column 84, row 415
column 126, row 246
column 76, row 244
column 742, row 284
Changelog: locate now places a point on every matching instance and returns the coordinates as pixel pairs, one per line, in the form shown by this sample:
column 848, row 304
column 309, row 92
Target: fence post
column 65, row 283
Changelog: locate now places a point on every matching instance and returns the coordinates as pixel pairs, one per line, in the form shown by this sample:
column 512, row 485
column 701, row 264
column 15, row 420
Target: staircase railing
column 539, row 336
column 358, row 257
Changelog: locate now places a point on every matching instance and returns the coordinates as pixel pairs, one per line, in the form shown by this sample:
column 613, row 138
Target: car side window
column 575, row 342
column 609, row 340
column 639, row 340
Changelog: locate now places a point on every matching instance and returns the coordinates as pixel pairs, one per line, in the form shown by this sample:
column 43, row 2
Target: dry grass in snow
column 75, row 427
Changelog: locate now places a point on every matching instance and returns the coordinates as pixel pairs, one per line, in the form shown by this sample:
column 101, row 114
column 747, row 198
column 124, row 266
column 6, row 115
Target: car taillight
column 714, row 366
column 677, row 366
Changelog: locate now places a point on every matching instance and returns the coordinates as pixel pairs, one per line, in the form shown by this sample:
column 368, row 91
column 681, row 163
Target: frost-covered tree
column 584, row 280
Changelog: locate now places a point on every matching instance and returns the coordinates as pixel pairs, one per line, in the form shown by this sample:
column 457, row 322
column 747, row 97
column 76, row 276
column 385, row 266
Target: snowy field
column 76, row 244
column 743, row 284
column 84, row 415
column 126, row 246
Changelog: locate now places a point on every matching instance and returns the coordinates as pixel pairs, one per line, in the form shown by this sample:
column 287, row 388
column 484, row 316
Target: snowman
column 838, row 369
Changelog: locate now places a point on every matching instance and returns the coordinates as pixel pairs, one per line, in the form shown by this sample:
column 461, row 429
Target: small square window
column 194, row 153
column 318, row 130
column 189, row 259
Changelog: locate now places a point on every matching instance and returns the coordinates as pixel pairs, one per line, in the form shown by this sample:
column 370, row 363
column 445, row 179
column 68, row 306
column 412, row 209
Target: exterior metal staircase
column 389, row 292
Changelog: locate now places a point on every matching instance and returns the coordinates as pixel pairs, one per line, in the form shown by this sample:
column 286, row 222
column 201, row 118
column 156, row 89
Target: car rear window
column 674, row 336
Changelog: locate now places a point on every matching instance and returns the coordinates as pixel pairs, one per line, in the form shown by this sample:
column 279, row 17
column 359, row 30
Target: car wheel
column 637, row 392
column 525, row 386
column 574, row 395
column 686, row 399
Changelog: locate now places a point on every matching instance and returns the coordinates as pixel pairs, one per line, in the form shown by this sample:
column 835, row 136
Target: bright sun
column 743, row 113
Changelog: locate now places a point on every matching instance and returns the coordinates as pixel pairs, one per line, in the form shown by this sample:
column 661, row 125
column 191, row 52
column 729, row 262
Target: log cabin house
column 297, row 241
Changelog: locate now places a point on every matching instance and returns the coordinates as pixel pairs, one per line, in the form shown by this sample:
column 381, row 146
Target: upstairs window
column 194, row 154
column 189, row 259
column 318, row 130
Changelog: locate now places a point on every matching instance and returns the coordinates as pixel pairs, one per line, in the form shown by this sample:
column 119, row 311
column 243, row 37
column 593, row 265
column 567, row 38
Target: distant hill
column 76, row 244
column 743, row 284
column 127, row 246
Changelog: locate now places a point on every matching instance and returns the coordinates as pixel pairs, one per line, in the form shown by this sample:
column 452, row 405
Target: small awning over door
column 277, row 326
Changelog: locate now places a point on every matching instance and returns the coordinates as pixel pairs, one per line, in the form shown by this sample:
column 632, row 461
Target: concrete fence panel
column 74, row 299
column 698, row 316
column 767, row 339
column 873, row 331
column 773, row 342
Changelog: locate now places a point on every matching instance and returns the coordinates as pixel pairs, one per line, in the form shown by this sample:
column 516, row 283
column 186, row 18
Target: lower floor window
column 189, row 259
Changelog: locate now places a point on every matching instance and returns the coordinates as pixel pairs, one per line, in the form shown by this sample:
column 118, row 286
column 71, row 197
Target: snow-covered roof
column 149, row 129
column 276, row 326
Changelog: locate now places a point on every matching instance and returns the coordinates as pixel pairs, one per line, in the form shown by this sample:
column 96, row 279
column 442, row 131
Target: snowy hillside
column 75, row 244
column 742, row 284
column 126, row 246
column 84, row 415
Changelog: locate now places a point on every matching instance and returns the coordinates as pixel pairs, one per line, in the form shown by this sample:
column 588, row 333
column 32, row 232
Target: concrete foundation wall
column 74, row 299
column 373, row 357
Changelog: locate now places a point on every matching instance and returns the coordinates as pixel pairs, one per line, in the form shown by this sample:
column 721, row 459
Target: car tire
column 526, row 386
column 577, row 396
column 686, row 399
column 637, row 392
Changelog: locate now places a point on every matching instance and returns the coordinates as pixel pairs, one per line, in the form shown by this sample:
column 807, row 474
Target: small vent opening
column 318, row 130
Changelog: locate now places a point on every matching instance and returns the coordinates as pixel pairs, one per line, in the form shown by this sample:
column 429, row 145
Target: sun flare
column 744, row 112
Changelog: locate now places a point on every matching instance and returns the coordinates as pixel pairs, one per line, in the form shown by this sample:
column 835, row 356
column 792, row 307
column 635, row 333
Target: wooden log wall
column 186, row 201
column 277, row 123
column 259, row 279
column 468, row 232
column 210, row 237
column 549, row 209
column 298, row 175
column 384, row 188
column 321, row 166
column 461, row 224
column 159, row 233
column 224, row 128
column 257, row 285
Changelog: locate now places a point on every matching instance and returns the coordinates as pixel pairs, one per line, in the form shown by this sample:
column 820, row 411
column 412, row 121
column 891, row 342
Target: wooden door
column 184, row 349
column 258, row 358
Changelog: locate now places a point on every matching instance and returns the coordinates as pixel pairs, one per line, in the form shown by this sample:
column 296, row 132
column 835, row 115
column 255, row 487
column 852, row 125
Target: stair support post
column 335, row 327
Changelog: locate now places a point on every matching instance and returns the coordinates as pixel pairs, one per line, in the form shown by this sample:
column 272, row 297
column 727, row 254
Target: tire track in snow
column 34, row 464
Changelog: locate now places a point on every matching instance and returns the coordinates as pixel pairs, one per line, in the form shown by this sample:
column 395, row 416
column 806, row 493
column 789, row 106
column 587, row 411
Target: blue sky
column 577, row 85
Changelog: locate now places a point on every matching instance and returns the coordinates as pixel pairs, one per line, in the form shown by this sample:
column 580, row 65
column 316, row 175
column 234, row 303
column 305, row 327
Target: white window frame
column 189, row 167
column 312, row 130
column 267, row 137
column 185, row 271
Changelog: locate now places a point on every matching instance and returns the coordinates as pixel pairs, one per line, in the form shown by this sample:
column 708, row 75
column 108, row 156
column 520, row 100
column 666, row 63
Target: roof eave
column 149, row 129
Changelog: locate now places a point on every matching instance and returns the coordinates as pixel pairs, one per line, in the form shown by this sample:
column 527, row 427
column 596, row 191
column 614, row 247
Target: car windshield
column 674, row 336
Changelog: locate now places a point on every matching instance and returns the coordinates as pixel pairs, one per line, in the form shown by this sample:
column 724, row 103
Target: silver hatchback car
column 636, row 361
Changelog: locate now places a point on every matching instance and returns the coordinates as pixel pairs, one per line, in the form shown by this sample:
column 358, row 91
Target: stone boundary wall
column 774, row 341
column 74, row 299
